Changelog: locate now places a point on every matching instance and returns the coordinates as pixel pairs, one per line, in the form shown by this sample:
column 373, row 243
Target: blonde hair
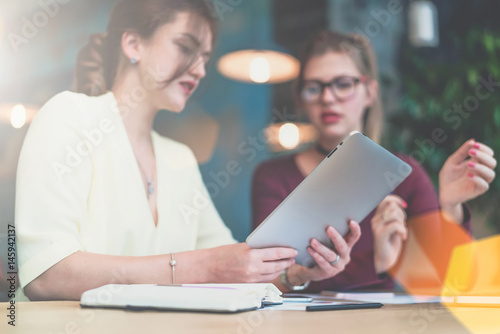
column 361, row 52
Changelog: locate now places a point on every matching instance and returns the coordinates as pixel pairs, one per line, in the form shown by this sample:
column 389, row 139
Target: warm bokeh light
column 473, row 279
column 441, row 258
column 259, row 66
column 424, row 261
column 289, row 136
column 260, row 71
column 285, row 136
column 18, row 116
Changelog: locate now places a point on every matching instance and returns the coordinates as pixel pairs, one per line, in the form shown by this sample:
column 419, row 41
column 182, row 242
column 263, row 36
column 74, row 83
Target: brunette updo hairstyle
column 359, row 49
column 97, row 63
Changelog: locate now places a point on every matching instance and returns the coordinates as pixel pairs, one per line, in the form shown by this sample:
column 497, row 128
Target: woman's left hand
column 462, row 179
column 327, row 262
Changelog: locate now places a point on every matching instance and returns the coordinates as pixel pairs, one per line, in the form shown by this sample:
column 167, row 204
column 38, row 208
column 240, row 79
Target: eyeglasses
column 342, row 88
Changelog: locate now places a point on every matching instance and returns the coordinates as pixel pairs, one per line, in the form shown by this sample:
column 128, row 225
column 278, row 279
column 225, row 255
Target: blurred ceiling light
column 288, row 136
column 423, row 28
column 17, row 115
column 259, row 66
column 260, row 70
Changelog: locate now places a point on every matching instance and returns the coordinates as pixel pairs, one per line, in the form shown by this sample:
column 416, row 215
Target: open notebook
column 186, row 297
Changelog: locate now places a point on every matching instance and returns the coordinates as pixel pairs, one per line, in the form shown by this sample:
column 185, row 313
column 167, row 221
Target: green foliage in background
column 438, row 94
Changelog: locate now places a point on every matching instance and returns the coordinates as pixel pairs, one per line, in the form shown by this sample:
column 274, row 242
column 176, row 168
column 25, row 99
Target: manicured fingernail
column 471, row 176
column 314, row 242
column 471, row 164
column 405, row 205
column 330, row 229
column 472, row 152
column 476, row 145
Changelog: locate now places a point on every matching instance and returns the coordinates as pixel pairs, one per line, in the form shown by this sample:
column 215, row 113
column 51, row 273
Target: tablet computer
column 348, row 184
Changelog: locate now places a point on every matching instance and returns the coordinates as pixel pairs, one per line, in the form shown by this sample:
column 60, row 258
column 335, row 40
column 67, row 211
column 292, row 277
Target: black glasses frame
column 331, row 85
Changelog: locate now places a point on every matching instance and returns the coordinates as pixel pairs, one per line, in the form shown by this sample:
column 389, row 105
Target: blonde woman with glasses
column 338, row 89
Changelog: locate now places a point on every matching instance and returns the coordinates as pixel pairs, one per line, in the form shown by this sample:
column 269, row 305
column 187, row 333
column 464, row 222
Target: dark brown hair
column 97, row 63
column 360, row 51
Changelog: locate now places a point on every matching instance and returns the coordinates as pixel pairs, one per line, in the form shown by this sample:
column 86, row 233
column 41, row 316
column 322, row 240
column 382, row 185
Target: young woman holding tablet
column 338, row 89
column 101, row 197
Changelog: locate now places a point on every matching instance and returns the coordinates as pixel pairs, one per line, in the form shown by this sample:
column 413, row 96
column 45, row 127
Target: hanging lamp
column 423, row 28
column 265, row 63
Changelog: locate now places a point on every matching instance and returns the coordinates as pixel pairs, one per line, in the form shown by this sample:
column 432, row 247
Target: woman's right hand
column 241, row 264
column 328, row 262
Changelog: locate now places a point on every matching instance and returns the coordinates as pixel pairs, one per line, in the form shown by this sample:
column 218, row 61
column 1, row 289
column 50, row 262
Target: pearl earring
column 133, row 60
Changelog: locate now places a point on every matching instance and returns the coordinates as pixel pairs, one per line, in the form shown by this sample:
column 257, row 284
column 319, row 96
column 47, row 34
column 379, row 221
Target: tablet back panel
column 348, row 184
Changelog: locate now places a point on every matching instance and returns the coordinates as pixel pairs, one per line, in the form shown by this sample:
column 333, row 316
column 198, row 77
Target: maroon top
column 274, row 180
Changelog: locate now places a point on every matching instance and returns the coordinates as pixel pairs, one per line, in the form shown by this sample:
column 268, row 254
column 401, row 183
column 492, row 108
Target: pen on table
column 313, row 308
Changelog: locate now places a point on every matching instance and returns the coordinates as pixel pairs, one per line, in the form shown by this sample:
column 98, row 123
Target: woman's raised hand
column 465, row 175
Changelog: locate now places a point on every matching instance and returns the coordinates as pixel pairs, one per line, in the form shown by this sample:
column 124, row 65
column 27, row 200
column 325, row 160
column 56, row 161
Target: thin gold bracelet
column 172, row 264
